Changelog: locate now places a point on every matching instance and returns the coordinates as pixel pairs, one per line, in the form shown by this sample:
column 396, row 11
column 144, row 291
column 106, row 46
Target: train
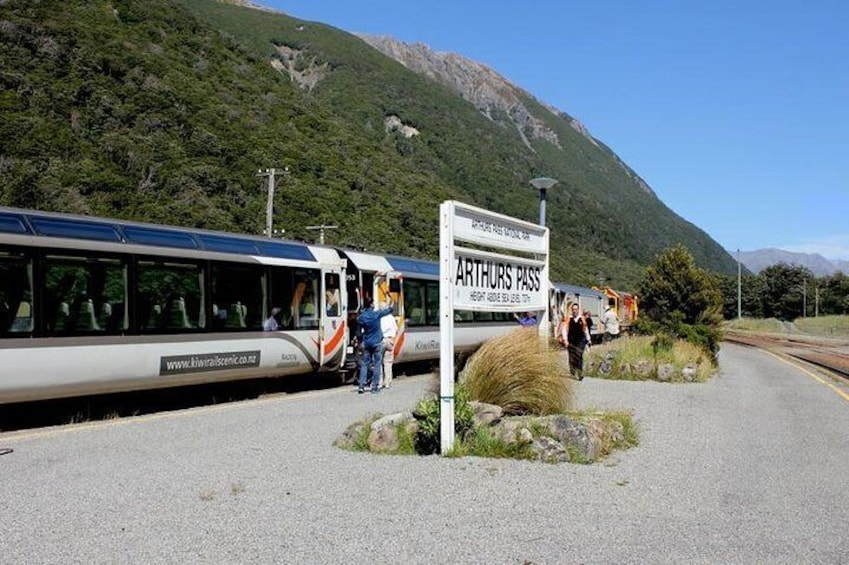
column 95, row 305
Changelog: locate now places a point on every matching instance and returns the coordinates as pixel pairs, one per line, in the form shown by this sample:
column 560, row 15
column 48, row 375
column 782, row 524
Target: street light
column 542, row 184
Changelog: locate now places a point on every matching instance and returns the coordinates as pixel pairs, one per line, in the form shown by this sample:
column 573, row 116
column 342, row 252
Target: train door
column 332, row 332
column 388, row 286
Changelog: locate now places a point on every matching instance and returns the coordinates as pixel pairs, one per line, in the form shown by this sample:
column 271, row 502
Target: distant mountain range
column 760, row 259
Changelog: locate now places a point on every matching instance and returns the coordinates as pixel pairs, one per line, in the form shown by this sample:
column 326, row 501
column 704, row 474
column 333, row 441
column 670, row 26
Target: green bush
column 427, row 413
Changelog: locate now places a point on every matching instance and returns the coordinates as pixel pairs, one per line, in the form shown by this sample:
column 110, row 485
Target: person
column 577, row 338
column 588, row 319
column 372, row 341
column 389, row 327
column 331, row 301
column 528, row 320
column 610, row 321
column 271, row 325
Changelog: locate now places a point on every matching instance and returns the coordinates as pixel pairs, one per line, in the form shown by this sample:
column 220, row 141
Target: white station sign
column 489, row 282
column 473, row 279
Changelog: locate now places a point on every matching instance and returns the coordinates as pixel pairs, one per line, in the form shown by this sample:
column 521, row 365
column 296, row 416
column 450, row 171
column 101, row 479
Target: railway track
column 827, row 353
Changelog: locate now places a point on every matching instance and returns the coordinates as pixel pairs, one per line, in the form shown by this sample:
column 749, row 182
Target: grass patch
column 640, row 358
column 763, row 325
column 527, row 379
column 820, row 326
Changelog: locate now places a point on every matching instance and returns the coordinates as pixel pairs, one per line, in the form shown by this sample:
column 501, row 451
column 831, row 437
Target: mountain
column 760, row 259
column 163, row 111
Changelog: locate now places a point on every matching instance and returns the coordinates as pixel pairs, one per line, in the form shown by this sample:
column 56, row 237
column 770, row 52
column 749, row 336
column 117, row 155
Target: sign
column 474, row 225
column 473, row 279
column 488, row 282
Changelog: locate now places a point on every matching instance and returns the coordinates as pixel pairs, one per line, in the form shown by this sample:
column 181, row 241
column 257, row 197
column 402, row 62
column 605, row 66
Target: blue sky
column 736, row 112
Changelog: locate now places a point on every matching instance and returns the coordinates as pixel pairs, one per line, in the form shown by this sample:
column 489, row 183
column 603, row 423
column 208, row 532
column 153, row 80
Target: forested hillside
column 164, row 111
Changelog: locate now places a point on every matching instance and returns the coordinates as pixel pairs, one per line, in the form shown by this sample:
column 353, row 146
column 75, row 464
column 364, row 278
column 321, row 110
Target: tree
column 784, row 290
column 750, row 296
column 674, row 291
column 678, row 298
column 834, row 294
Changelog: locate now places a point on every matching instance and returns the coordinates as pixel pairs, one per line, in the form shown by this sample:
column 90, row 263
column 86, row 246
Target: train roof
column 578, row 290
column 407, row 266
column 55, row 225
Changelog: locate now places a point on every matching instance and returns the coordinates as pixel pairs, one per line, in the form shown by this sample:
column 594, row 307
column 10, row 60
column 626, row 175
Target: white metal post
column 446, row 327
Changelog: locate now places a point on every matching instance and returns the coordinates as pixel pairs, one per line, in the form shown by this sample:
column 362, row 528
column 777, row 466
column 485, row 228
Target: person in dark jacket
column 577, row 338
column 372, row 341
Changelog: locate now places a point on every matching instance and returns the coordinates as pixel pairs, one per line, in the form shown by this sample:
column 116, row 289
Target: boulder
column 486, row 414
column 665, row 372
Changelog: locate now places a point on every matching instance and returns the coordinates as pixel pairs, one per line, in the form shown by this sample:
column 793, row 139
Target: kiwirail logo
column 201, row 362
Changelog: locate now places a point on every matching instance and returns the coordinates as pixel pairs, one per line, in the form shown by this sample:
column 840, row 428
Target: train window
column 16, row 311
column 84, row 295
column 170, row 296
column 304, row 305
column 483, row 316
column 414, row 302
column 237, row 296
column 331, row 294
column 433, row 303
column 281, row 295
column 462, row 316
column 352, row 285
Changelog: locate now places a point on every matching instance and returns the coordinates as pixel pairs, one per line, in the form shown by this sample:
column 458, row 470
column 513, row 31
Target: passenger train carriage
column 91, row 305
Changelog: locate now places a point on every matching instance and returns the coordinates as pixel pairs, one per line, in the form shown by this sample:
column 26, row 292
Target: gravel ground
column 747, row 468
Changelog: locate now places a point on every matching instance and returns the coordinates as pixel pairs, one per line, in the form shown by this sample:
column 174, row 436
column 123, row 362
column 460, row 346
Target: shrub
column 427, row 412
column 521, row 373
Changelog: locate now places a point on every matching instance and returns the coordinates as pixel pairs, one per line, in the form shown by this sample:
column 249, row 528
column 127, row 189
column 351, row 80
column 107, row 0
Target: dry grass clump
column 628, row 353
column 521, row 373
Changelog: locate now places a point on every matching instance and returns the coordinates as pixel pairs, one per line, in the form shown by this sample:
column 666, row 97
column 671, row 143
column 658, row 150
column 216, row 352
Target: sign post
column 483, row 280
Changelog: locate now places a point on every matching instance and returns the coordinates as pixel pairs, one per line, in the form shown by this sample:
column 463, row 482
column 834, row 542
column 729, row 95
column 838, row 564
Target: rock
column 350, row 435
column 642, row 368
column 689, row 372
column 549, row 450
column 665, row 372
column 486, row 414
column 574, row 434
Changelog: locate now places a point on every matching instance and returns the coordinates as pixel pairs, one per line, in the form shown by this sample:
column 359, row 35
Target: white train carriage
column 91, row 305
column 414, row 286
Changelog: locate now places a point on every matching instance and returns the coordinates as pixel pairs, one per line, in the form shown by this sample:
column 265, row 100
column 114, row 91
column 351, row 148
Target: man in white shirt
column 611, row 323
column 389, row 327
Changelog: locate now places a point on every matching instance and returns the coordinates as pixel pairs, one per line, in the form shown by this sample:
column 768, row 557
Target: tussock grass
column 626, row 354
column 521, row 373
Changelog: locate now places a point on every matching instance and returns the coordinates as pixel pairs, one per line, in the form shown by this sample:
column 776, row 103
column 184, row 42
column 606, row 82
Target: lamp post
column 542, row 184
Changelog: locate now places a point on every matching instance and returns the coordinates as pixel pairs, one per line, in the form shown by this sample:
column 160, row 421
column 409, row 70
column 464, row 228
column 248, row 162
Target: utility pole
column 805, row 298
column 321, row 229
column 269, row 206
column 739, row 287
column 816, row 302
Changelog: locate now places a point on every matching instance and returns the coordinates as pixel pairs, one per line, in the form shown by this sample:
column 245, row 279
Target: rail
column 827, row 353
